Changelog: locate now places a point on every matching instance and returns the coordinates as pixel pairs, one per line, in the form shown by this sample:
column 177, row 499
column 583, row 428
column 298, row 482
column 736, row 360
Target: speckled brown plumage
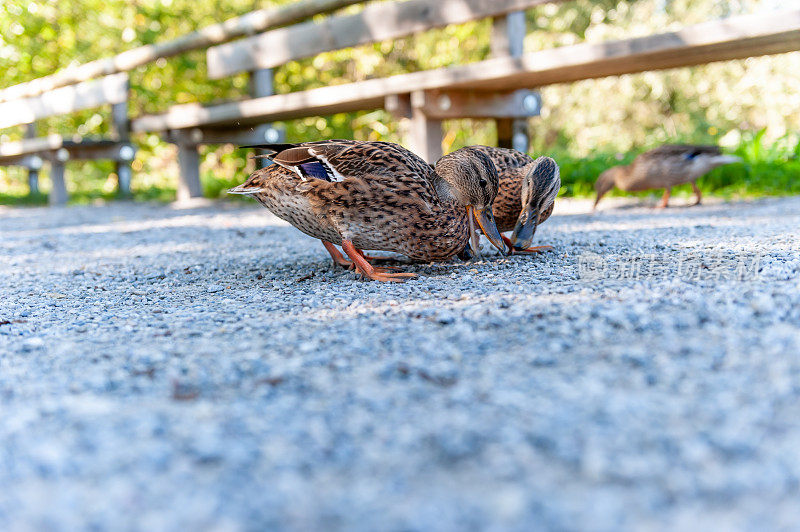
column 512, row 167
column 383, row 197
column 663, row 167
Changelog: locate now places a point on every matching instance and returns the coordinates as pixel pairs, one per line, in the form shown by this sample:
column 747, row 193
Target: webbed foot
column 527, row 251
column 369, row 271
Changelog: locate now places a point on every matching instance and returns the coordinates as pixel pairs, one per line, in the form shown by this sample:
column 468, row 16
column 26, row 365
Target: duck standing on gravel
column 528, row 190
column 379, row 195
column 664, row 167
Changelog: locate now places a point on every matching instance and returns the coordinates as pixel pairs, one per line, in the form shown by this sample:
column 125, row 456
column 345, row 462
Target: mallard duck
column 664, row 167
column 528, row 189
column 380, row 196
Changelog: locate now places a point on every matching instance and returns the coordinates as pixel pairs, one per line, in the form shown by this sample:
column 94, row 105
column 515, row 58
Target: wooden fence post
column 58, row 192
column 261, row 84
column 189, row 162
column 33, row 170
column 121, row 130
column 425, row 133
column 508, row 36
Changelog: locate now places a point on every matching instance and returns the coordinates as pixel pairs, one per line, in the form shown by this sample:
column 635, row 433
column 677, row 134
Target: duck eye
column 482, row 183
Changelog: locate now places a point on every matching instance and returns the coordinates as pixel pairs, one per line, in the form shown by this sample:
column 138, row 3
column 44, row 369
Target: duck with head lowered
column 379, row 196
column 664, row 167
column 528, row 190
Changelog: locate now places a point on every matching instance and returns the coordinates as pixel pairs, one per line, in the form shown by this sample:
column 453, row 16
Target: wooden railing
column 500, row 88
column 77, row 88
column 218, row 33
column 192, row 125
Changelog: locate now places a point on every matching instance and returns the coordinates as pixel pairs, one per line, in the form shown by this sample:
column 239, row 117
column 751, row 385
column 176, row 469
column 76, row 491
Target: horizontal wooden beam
column 450, row 105
column 32, row 162
column 378, row 22
column 34, row 145
column 58, row 148
column 108, row 90
column 215, row 34
column 257, row 110
column 109, row 151
column 720, row 40
column 196, row 136
column 455, row 104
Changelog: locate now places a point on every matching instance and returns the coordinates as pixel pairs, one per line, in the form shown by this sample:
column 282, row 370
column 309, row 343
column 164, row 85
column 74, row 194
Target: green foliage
column 583, row 124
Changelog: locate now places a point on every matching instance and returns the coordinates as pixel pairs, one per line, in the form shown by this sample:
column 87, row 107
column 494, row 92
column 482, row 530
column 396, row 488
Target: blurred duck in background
column 664, row 167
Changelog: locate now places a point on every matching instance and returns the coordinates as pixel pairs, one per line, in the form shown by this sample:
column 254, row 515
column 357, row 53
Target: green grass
column 766, row 170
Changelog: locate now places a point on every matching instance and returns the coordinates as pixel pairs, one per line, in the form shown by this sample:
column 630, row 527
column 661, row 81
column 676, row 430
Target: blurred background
column 750, row 107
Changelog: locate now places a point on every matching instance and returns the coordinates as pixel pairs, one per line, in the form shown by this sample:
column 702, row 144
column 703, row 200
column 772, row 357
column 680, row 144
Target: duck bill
column 523, row 233
column 474, row 238
column 597, row 200
column 486, row 222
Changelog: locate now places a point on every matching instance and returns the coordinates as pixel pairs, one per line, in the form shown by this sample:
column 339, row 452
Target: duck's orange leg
column 665, row 198
column 337, row 257
column 533, row 250
column 368, row 270
column 340, row 260
column 371, row 258
column 698, row 195
column 527, row 251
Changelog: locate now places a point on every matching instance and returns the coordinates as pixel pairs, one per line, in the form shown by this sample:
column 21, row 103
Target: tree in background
column 712, row 103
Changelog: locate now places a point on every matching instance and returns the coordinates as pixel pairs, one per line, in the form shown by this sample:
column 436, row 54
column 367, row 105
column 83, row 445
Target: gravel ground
column 206, row 368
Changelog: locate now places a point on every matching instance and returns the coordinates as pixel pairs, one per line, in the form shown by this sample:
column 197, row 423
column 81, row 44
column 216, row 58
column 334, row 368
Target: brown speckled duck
column 380, row 196
column 528, row 189
column 664, row 167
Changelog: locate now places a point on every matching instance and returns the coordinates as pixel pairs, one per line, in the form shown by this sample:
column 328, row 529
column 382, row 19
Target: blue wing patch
column 316, row 170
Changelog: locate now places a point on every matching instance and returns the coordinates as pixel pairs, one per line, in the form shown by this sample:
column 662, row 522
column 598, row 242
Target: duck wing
column 293, row 157
column 335, row 160
column 679, row 152
column 301, row 159
column 669, row 165
column 330, row 168
column 505, row 158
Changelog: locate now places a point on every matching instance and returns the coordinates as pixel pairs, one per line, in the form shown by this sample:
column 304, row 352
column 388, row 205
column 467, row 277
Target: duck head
column 538, row 195
column 469, row 178
column 606, row 181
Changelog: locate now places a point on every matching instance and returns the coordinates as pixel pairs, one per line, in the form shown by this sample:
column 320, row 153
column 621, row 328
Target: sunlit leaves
column 585, row 123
